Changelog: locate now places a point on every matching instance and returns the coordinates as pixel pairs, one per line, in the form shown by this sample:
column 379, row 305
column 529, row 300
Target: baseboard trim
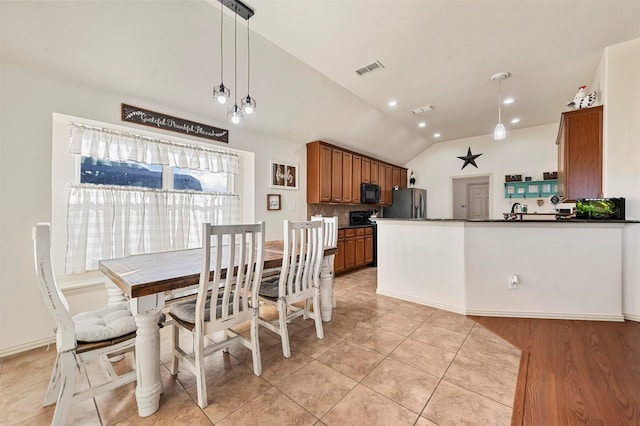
column 27, row 347
column 546, row 315
column 422, row 301
column 631, row 317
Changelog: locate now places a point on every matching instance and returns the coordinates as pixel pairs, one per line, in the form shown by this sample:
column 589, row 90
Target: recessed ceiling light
column 393, row 103
column 507, row 101
column 422, row 124
column 515, row 120
column 436, row 135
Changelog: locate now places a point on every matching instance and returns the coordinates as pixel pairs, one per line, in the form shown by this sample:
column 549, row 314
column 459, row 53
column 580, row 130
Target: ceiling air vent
column 422, row 109
column 377, row 65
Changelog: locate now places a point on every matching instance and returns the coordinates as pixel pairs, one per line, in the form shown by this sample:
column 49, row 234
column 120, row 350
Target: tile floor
column 382, row 362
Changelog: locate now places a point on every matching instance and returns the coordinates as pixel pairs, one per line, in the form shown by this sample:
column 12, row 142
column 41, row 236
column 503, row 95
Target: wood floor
column 574, row 372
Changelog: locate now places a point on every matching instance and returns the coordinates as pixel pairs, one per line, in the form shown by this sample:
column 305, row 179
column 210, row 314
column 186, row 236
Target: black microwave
column 369, row 193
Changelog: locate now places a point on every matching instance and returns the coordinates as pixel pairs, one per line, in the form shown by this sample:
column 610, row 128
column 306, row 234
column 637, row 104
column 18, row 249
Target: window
column 106, row 172
column 128, row 173
column 136, row 194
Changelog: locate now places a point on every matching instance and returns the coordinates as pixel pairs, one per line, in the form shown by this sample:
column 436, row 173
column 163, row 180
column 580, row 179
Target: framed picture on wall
column 273, row 201
column 283, row 175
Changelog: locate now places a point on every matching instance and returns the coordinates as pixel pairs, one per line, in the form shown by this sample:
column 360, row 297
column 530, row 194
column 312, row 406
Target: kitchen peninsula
column 562, row 269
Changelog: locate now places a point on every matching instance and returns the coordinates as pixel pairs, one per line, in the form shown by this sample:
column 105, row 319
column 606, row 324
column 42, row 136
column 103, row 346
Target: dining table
column 145, row 279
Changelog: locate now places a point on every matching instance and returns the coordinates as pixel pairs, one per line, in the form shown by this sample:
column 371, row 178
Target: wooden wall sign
column 174, row 124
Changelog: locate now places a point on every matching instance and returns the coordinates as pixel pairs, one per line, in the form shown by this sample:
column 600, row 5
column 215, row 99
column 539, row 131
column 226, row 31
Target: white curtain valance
column 106, row 144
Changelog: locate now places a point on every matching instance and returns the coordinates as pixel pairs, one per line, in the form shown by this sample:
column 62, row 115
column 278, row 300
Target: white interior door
column 478, row 201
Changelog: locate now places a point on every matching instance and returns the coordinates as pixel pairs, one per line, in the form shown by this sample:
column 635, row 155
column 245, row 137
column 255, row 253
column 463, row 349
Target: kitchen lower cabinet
column 368, row 246
column 360, row 247
column 355, row 249
column 338, row 262
column 349, row 249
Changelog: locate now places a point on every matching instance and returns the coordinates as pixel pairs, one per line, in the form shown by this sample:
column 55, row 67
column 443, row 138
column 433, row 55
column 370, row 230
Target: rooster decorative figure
column 582, row 100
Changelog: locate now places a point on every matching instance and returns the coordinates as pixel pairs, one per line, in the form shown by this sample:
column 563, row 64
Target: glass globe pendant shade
column 221, row 94
column 235, row 114
column 248, row 105
column 499, row 132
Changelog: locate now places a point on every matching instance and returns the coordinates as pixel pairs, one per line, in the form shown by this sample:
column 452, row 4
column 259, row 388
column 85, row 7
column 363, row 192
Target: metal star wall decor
column 469, row 159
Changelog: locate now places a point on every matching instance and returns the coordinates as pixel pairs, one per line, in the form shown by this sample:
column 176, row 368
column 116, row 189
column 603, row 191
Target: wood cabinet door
column 368, row 249
column 389, row 183
column 347, row 177
column 336, row 178
column 382, row 182
column 583, row 153
column 403, row 178
column 338, row 262
column 366, row 170
column 349, row 253
column 360, row 251
column 374, row 172
column 396, row 177
column 324, row 180
column 356, row 179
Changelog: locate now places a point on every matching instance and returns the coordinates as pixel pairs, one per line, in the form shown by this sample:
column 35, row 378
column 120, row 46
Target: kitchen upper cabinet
column 347, row 177
column 318, row 173
column 580, row 154
column 382, row 173
column 388, row 188
column 366, row 170
column 336, row 177
column 357, row 179
column 396, row 177
column 403, row 178
column 374, row 172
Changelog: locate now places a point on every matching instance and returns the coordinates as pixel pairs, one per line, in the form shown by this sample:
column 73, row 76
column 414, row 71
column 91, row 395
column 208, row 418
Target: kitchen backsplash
column 335, row 210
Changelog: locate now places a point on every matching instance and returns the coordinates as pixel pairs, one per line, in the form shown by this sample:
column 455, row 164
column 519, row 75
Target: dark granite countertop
column 573, row 220
column 355, row 226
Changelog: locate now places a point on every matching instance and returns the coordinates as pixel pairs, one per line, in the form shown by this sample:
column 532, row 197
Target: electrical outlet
column 513, row 282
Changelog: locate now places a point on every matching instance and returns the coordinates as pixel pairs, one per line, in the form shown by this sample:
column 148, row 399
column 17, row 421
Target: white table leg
column 114, row 294
column 326, row 290
column 146, row 310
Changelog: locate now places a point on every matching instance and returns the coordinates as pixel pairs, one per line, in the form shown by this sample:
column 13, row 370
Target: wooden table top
column 145, row 274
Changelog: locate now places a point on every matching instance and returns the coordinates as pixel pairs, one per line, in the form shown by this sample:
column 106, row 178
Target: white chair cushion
column 104, row 324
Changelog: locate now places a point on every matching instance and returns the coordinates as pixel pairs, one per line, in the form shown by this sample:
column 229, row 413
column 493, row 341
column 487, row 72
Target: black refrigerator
column 408, row 203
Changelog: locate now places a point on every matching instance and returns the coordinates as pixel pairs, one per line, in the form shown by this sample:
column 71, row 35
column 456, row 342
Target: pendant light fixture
column 235, row 114
column 221, row 93
column 248, row 103
column 500, row 132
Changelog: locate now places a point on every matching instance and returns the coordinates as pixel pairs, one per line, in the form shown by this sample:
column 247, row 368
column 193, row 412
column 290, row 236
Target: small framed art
column 284, row 176
column 273, row 201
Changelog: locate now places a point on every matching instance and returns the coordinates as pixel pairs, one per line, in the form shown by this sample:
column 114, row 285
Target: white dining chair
column 330, row 240
column 84, row 338
column 224, row 301
column 298, row 280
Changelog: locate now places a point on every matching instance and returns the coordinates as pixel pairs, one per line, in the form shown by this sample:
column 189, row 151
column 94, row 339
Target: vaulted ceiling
column 304, row 55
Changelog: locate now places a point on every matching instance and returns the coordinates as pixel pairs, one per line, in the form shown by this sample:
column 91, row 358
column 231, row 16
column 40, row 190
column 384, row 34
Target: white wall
column 620, row 84
column 530, row 152
column 29, row 100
